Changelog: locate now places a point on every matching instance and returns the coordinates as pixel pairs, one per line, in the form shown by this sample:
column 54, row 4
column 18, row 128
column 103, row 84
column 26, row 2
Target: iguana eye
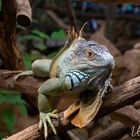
column 90, row 54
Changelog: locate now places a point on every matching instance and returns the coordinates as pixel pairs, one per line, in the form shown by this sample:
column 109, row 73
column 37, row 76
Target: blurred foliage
column 56, row 35
column 8, row 115
column 38, row 39
column 1, row 136
column 9, row 118
column 28, row 59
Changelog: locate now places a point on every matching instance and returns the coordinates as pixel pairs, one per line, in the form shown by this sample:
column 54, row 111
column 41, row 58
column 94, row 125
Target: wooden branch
column 125, row 94
column 128, row 115
column 27, row 85
column 115, row 131
column 30, row 133
column 24, row 12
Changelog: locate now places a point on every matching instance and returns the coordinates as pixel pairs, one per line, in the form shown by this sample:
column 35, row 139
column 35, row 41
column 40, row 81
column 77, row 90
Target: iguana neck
column 56, row 60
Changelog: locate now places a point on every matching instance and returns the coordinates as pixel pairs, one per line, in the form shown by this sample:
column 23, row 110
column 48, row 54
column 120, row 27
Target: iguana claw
column 45, row 119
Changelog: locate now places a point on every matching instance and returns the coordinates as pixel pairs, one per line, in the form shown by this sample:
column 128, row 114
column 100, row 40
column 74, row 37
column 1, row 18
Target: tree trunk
column 9, row 52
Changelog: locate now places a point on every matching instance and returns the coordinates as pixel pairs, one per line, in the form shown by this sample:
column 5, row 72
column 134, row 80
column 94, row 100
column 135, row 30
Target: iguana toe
column 45, row 120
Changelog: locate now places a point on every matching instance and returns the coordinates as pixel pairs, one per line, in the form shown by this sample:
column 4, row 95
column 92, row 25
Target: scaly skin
column 84, row 66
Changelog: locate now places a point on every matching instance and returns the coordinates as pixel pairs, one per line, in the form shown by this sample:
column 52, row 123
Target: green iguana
column 81, row 66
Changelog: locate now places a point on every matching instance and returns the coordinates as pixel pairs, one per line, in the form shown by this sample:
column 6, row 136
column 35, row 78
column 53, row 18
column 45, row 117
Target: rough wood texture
column 125, row 94
column 9, row 52
column 23, row 13
column 26, row 85
column 32, row 133
column 128, row 115
column 115, row 131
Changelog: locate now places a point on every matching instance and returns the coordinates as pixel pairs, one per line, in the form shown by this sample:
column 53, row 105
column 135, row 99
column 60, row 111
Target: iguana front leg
column 51, row 87
column 40, row 68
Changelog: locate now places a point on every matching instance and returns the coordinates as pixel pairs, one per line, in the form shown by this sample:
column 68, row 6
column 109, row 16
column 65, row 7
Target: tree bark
column 9, row 52
column 128, row 115
column 115, row 131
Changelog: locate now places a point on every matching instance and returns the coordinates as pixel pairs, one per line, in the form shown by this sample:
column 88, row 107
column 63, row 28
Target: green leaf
column 41, row 34
column 2, row 99
column 30, row 37
column 10, row 97
column 58, row 35
column 27, row 60
column 1, row 136
column 9, row 119
column 22, row 109
column 41, row 46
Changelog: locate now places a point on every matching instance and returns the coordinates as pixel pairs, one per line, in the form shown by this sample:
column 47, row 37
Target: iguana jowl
column 81, row 65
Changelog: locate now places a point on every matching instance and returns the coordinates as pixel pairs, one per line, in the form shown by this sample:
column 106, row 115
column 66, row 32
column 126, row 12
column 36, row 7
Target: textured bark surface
column 9, row 52
column 128, row 115
column 115, row 131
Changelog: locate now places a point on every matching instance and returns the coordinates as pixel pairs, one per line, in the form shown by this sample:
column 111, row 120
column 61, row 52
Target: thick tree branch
column 9, row 52
column 115, row 131
column 125, row 94
column 128, row 115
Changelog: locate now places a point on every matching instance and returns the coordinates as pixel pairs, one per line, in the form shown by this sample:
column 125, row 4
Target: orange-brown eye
column 90, row 54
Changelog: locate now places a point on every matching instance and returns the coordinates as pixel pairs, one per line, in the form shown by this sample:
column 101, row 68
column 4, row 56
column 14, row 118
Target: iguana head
column 92, row 59
column 92, row 54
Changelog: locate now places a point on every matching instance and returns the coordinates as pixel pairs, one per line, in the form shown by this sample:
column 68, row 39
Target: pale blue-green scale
column 76, row 81
column 64, row 63
column 75, row 78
